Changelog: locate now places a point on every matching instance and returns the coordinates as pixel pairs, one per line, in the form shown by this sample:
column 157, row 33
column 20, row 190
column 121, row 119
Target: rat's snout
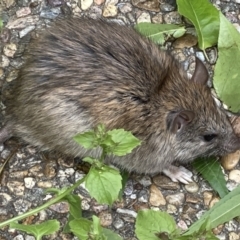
column 232, row 144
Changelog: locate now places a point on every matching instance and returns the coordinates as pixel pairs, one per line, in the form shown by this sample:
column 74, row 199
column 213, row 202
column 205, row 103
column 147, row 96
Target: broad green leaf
column 226, row 79
column 110, row 235
column 81, row 228
column 75, row 210
column 87, row 140
column 210, row 169
column 159, row 33
column 223, row 211
column 104, row 184
column 205, row 19
column 125, row 142
column 38, row 230
column 150, row 225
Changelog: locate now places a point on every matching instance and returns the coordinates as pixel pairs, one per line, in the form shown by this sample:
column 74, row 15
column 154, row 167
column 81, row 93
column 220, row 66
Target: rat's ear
column 176, row 121
column 200, row 74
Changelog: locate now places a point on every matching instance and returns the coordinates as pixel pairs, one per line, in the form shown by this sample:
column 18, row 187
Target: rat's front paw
column 178, row 174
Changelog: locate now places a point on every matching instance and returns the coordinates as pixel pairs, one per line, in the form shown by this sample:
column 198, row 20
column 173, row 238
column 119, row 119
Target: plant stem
column 42, row 207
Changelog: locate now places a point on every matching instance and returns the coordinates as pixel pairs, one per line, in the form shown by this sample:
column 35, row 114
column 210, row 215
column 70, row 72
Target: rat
column 82, row 72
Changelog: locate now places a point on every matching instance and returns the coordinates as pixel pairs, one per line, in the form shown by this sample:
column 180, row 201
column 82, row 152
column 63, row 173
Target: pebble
column 143, row 196
column 27, row 237
column 85, row 204
column 50, row 13
column 110, row 10
column 192, row 187
column 182, row 225
column 4, row 199
column 231, row 160
column 172, row 18
column 29, row 182
column 10, row 49
column 61, row 207
column 118, row 223
column 22, row 22
column 55, row 3
column 212, row 54
column 5, row 61
column 105, row 219
column 145, row 181
column 12, row 76
column 214, row 200
column 152, row 5
column 1, row 73
column 165, row 7
column 207, row 197
column 156, row 197
column 25, row 31
column 158, row 18
column 200, row 55
column 21, row 205
column 99, row 2
column 144, row 17
column 171, row 209
column 234, row 175
column 18, row 237
column 128, row 190
column 44, row 184
column 125, row 7
column 165, row 183
column 128, row 212
column 22, row 12
column 16, row 187
column 85, row 4
column 175, row 199
column 192, row 199
column 188, row 40
column 234, row 236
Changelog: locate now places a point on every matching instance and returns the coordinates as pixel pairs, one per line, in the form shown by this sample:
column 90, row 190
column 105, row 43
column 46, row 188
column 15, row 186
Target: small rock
column 18, row 237
column 144, row 17
column 55, row 3
column 188, row 40
column 1, row 73
column 231, row 160
column 175, row 199
column 143, row 196
column 9, row 3
column 171, row 209
column 50, row 13
column 110, row 10
column 125, row 7
column 49, row 169
column 5, row 35
column 12, row 76
column 29, row 182
column 118, row 223
column 233, row 235
column 140, row 206
column 192, row 199
column 25, row 31
column 105, row 219
column 61, row 207
column 22, row 12
column 207, row 197
column 131, row 213
column 5, row 61
column 172, row 18
column 192, row 187
column 113, row 2
column 201, row 56
column 234, row 175
column 85, row 4
column 145, row 181
column 212, row 54
column 10, row 49
column 128, row 190
column 16, row 187
column 182, row 225
column 21, row 205
column 165, row 183
column 214, row 200
column 165, row 7
column 28, row 237
column 158, row 18
column 152, row 5
column 156, row 197
column 23, row 22
column 99, row 2
column 4, row 199
column 44, row 184
column 85, row 204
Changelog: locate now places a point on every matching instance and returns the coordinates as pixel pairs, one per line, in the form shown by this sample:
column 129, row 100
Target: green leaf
column 96, row 228
column 158, row 32
column 104, row 184
column 124, row 140
column 110, row 235
column 81, row 228
column 205, row 19
column 38, row 230
column 87, row 139
column 151, row 225
column 211, row 171
column 223, row 211
column 1, row 24
column 227, row 73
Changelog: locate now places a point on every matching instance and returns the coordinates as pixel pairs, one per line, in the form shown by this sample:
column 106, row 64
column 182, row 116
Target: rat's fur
column 83, row 72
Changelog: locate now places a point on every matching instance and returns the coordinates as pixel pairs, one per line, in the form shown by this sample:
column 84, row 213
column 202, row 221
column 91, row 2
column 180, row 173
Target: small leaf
column 110, row 235
column 81, row 228
column 223, row 211
column 125, row 141
column 205, row 19
column 87, row 139
column 38, row 230
column 211, row 170
column 226, row 74
column 103, row 184
column 151, row 224
column 97, row 229
column 158, row 32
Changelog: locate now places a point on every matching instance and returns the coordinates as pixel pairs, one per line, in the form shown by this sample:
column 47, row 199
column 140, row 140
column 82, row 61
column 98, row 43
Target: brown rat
column 82, row 72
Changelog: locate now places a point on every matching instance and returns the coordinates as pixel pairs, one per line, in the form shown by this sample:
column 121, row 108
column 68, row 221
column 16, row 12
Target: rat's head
column 197, row 126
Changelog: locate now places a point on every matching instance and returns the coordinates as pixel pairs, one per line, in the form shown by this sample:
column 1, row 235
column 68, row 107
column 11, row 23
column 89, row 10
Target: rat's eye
column 209, row 137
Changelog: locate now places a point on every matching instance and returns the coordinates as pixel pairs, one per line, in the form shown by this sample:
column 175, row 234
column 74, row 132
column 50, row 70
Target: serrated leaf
column 211, row 171
column 158, row 33
column 151, row 224
column 124, row 140
column 226, row 76
column 104, row 184
column 223, row 211
column 205, row 19
column 87, row 139
column 81, row 228
column 38, row 230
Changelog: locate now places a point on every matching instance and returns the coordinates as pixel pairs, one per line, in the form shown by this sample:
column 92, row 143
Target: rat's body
column 84, row 72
